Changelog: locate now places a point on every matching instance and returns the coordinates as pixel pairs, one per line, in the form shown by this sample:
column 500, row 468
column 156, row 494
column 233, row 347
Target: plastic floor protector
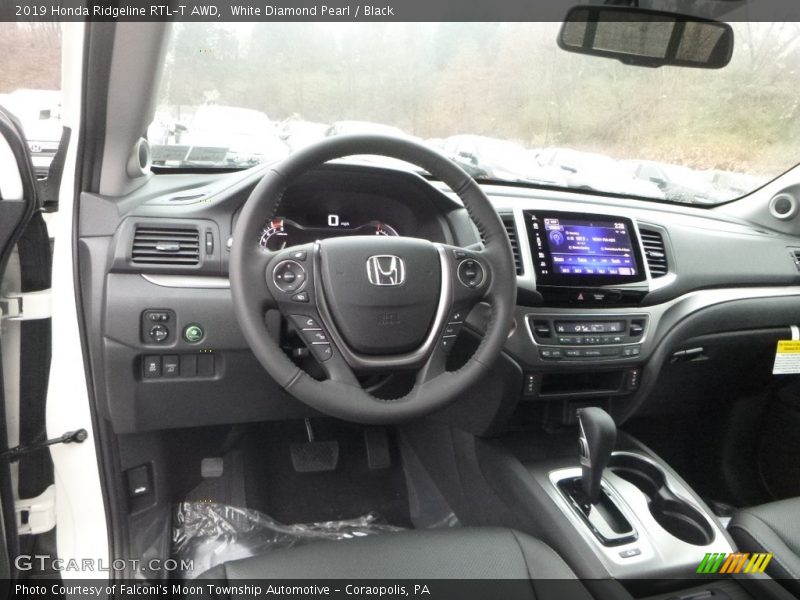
column 209, row 534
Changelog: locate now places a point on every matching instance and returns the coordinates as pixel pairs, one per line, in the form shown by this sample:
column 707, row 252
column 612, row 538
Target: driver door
column 25, row 350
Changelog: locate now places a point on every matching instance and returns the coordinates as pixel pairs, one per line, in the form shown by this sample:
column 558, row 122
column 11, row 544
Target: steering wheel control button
column 452, row 329
column 193, row 333
column 289, row 276
column 300, row 297
column 322, row 351
column 304, row 322
column 457, row 316
column 151, row 367
column 299, row 255
column 159, row 333
column 447, row 342
column 314, row 336
column 470, row 273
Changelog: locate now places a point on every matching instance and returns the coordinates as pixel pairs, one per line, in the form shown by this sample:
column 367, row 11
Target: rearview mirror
column 649, row 38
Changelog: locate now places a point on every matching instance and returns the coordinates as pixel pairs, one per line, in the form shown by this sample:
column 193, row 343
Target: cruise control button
column 301, row 297
column 321, row 351
column 304, row 322
column 313, row 336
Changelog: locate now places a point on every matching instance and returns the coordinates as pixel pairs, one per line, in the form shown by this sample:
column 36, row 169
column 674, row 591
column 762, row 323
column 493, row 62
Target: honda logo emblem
column 386, row 269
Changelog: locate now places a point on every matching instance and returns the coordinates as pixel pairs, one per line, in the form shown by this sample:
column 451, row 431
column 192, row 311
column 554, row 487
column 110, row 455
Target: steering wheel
column 372, row 303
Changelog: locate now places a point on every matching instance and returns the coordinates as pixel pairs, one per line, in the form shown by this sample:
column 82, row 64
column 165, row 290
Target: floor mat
column 273, row 487
column 207, row 534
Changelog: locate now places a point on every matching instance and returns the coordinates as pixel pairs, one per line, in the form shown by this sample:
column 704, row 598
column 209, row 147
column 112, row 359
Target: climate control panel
column 560, row 337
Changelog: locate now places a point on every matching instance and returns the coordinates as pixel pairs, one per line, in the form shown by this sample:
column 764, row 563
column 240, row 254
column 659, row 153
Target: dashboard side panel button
column 205, row 365
column 159, row 333
column 151, row 367
column 169, row 365
column 188, row 365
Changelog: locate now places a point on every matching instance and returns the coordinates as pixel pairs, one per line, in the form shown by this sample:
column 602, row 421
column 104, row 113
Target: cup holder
column 676, row 516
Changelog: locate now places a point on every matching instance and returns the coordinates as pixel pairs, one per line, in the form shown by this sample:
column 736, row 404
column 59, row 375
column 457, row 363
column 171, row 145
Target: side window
column 30, row 89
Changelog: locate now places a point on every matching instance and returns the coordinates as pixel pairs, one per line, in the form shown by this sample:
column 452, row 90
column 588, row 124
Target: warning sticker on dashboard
column 787, row 358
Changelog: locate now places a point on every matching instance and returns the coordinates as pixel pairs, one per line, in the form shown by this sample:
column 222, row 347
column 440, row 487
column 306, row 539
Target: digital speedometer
column 280, row 232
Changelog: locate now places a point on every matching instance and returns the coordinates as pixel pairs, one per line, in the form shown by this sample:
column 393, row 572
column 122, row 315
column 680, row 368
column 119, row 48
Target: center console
column 636, row 516
column 589, row 330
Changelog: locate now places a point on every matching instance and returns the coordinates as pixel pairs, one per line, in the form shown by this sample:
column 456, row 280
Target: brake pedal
column 314, row 456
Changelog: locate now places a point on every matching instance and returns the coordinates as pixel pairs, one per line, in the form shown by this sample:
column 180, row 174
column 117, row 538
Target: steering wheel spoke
column 470, row 275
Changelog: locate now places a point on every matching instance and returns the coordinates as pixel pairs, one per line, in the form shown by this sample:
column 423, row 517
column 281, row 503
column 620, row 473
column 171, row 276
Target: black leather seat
column 479, row 553
column 773, row 527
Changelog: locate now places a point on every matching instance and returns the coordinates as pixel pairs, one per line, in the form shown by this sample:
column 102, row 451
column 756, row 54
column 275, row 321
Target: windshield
column 501, row 99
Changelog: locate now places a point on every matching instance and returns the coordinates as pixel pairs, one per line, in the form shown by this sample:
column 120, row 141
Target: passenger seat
column 775, row 528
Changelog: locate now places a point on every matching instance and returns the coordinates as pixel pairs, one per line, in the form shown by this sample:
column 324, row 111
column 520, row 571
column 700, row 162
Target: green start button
column 193, row 333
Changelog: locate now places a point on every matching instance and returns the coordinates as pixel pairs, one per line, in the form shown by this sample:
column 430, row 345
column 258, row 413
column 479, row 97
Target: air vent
column 795, row 254
column 166, row 246
column 654, row 252
column 511, row 231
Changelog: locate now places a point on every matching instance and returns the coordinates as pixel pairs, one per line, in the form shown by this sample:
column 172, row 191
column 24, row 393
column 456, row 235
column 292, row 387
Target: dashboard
column 281, row 232
column 609, row 289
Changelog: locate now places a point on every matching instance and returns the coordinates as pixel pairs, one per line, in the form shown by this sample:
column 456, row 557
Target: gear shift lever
column 598, row 434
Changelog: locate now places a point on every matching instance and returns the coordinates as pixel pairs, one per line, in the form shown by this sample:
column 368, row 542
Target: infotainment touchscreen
column 583, row 249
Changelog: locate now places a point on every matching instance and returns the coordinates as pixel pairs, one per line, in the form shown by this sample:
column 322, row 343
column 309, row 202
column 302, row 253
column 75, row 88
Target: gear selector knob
column 598, row 434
